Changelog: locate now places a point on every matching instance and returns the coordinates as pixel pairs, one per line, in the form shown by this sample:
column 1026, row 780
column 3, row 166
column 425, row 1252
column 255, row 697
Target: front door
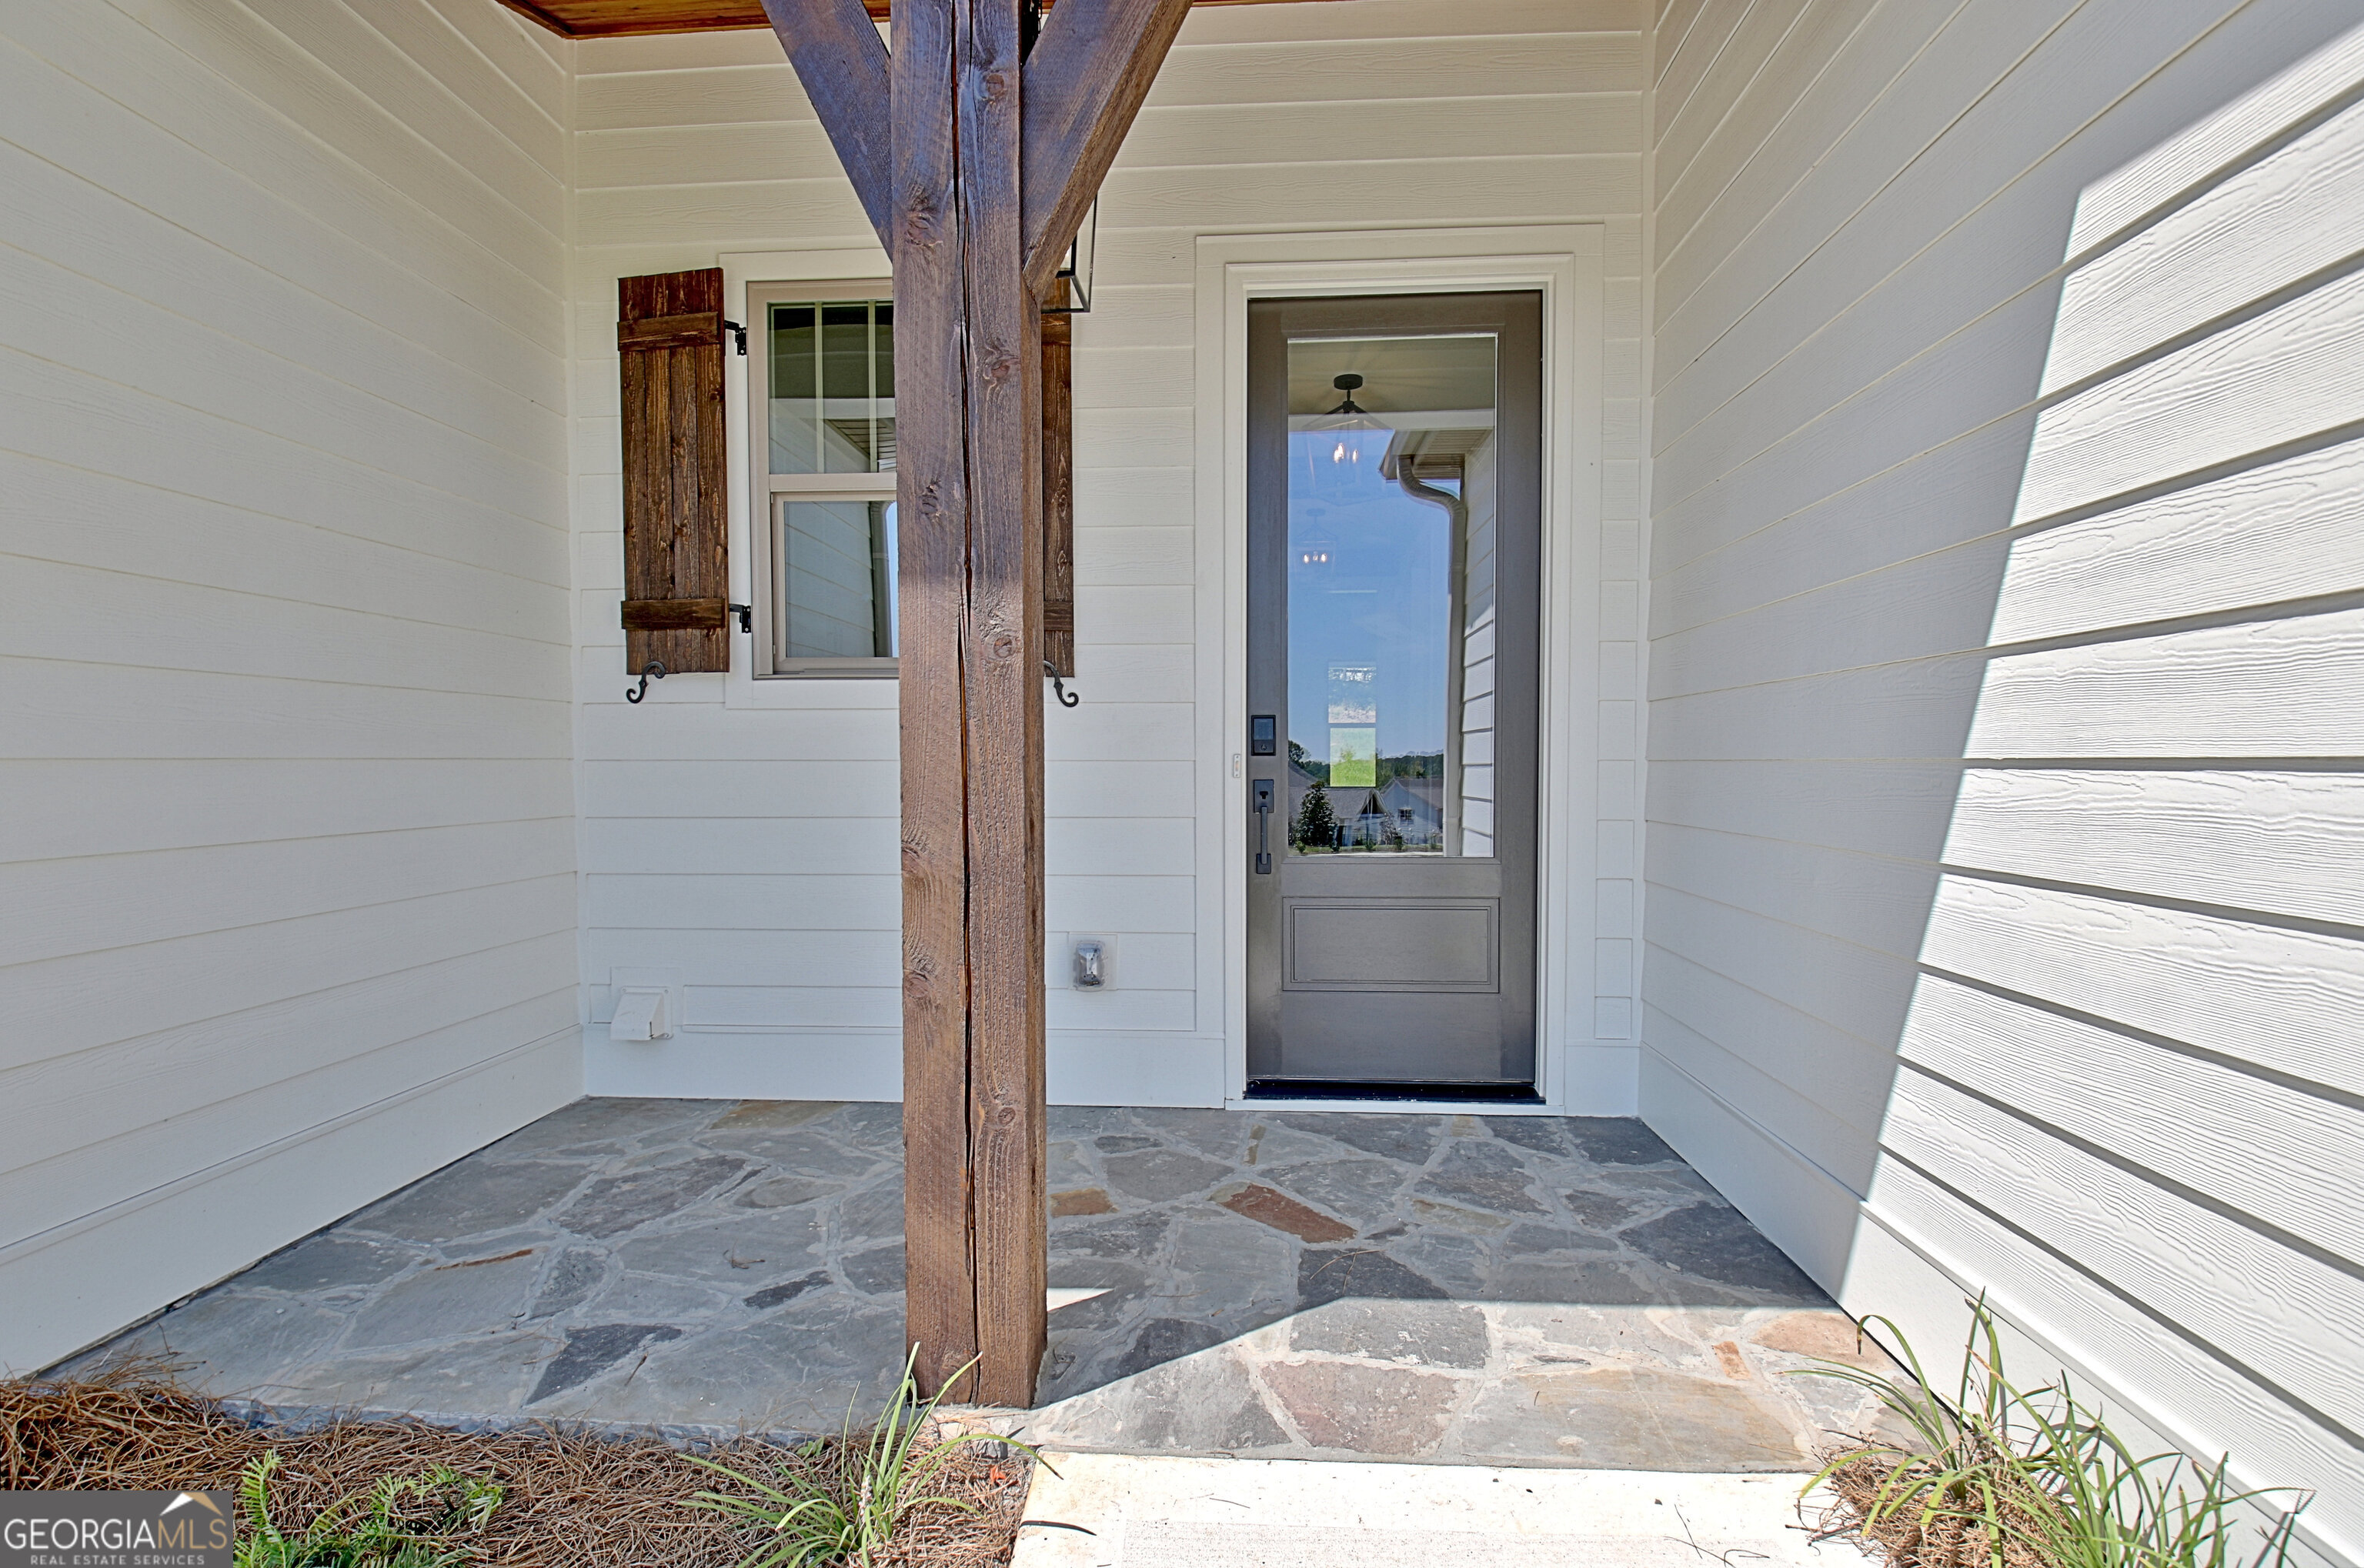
column 1395, row 506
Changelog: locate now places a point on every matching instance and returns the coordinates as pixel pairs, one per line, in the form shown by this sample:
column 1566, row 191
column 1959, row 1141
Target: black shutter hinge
column 739, row 333
column 746, row 613
column 1067, row 697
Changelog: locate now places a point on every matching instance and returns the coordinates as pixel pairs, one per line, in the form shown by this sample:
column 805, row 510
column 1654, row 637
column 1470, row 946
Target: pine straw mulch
column 1948, row 1537
column 572, row 1501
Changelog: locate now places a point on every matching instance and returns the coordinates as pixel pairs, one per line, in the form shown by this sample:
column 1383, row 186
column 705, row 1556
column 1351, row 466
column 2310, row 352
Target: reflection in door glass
column 1391, row 595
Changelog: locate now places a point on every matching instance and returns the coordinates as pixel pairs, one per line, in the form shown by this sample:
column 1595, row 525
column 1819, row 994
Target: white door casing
column 1564, row 261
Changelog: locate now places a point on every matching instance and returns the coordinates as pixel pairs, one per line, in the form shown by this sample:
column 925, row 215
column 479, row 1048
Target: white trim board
column 1563, row 261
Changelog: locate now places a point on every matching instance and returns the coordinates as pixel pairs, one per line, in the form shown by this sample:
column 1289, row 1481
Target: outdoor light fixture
column 1076, row 271
column 1348, row 417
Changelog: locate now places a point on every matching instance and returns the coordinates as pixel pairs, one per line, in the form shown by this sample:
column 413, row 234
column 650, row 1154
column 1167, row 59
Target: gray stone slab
column 1364, row 1190
column 592, row 1351
column 1483, row 1175
column 878, row 1272
column 1130, row 1236
column 780, row 1295
column 1406, row 1333
column 633, row 1298
column 453, row 1299
column 329, row 1263
column 1161, row 1175
column 875, row 1214
column 769, row 1242
column 773, row 1116
column 484, row 1376
column 1408, row 1139
column 785, row 1192
column 1619, row 1140
column 471, row 1199
column 1544, row 1134
column 233, row 1341
column 1714, row 1241
column 613, row 1204
column 569, row 1280
column 1337, row 1274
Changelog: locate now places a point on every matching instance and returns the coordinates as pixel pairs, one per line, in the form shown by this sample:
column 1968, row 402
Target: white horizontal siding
column 2004, row 631
column 753, row 848
column 286, row 883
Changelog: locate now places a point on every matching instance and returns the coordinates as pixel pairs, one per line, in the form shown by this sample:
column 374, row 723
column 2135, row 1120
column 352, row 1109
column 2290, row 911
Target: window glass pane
column 832, row 370
column 837, row 579
column 1391, row 595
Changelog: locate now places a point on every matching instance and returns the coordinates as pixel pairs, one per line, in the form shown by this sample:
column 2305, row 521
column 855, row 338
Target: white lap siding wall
column 2002, row 847
column 286, row 870
column 751, row 850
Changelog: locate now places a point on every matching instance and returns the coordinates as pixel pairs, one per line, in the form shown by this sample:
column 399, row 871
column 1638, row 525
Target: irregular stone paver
column 1477, row 1289
column 590, row 1352
column 1392, row 1411
column 1280, row 1211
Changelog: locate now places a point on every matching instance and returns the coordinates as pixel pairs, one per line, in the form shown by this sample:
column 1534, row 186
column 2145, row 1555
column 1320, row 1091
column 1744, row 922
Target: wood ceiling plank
column 630, row 19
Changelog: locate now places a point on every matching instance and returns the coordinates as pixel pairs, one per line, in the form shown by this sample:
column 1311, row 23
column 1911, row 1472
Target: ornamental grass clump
column 1998, row 1476
column 863, row 1499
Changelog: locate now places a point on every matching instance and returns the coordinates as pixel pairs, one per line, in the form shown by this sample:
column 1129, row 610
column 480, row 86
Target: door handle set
column 1263, row 797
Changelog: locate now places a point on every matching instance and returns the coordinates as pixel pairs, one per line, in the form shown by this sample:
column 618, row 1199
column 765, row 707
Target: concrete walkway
column 1113, row 1511
column 1477, row 1289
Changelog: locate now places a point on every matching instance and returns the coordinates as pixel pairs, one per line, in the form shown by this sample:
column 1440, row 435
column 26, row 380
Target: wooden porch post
column 987, row 167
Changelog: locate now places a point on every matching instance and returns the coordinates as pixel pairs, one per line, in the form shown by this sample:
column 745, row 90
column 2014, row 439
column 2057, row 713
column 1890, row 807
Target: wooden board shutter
column 677, row 581
column 1058, row 490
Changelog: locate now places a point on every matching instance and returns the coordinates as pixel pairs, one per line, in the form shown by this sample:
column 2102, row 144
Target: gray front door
column 1394, row 601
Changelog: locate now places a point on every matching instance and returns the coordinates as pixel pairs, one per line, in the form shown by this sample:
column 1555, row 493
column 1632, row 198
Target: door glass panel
column 1391, row 595
column 833, row 386
column 837, row 578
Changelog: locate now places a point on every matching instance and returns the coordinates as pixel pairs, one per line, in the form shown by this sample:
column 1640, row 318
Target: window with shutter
column 677, row 569
column 821, row 437
column 821, row 443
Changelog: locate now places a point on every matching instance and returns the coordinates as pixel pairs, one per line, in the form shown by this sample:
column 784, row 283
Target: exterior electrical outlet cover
column 1062, row 959
column 1090, row 964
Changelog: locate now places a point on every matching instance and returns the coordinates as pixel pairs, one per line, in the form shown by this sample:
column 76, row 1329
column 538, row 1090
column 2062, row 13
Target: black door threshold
column 1391, row 1089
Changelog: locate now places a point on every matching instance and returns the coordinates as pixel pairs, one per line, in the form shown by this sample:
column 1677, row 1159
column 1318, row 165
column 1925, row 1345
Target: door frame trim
column 1564, row 262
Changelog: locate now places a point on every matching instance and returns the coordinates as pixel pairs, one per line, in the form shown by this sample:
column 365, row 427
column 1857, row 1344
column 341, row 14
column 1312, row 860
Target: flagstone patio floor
column 1478, row 1289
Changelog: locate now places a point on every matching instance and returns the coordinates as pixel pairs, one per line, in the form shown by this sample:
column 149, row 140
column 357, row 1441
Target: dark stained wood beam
column 932, row 506
column 1002, row 658
column 962, row 141
column 841, row 61
column 634, row 18
column 1085, row 82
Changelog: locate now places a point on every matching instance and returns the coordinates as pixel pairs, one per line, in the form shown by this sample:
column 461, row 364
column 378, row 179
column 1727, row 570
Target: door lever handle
column 1263, row 788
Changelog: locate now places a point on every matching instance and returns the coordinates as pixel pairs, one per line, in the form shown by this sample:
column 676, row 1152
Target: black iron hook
column 1067, row 698
column 653, row 667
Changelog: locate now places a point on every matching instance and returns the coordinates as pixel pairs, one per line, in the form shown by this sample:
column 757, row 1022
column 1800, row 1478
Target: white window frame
column 765, row 489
